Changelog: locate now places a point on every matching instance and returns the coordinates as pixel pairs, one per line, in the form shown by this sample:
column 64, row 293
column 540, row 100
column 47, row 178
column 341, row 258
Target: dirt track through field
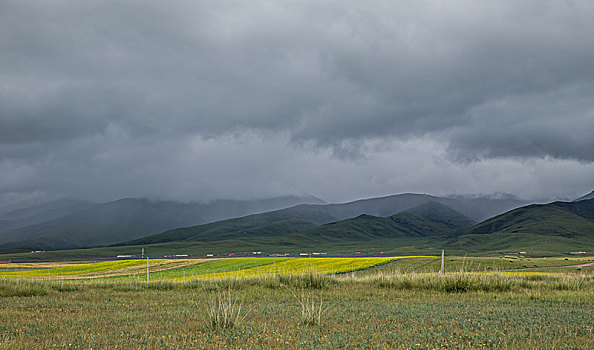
column 156, row 266
column 549, row 267
column 133, row 270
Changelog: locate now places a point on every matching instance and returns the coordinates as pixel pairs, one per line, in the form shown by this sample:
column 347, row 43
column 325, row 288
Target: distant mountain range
column 417, row 221
column 416, row 214
column 65, row 224
column 548, row 229
column 477, row 208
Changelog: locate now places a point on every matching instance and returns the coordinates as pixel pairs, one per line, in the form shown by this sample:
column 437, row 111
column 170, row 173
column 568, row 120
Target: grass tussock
column 311, row 309
column 223, row 311
column 68, row 286
column 307, row 281
column 18, row 288
column 447, row 284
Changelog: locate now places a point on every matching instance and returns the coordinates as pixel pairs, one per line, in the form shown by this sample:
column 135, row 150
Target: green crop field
column 300, row 303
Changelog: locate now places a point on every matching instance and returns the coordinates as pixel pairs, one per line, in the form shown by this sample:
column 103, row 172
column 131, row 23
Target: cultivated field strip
column 36, row 265
column 218, row 266
column 239, row 268
column 100, row 269
column 300, row 266
column 156, row 266
column 187, row 269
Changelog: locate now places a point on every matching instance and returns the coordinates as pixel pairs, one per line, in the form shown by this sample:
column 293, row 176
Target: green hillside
column 261, row 228
column 566, row 219
column 431, row 220
column 70, row 224
column 267, row 224
column 301, row 225
column 554, row 227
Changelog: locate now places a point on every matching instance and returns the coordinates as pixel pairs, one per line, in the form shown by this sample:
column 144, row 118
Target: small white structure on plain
column 147, row 269
column 442, row 271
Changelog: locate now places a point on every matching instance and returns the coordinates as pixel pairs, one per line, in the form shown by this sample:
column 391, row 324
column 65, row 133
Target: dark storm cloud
column 556, row 124
column 479, row 80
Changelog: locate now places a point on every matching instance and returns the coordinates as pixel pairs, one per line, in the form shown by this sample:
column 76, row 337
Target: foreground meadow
column 375, row 308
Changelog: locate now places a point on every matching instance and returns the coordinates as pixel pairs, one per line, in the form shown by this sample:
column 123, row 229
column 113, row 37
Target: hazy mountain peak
column 439, row 212
column 60, row 206
column 585, row 197
column 494, row 196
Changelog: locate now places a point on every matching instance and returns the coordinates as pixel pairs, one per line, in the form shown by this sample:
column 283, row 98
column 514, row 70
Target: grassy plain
column 395, row 305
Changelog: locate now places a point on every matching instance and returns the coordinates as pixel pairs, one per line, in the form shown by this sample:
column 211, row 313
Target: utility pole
column 147, row 269
column 442, row 271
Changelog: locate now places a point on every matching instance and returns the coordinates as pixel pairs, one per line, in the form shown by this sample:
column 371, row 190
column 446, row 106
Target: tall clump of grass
column 161, row 285
column 21, row 288
column 217, row 284
column 68, row 286
column 311, row 310
column 568, row 283
column 456, row 283
column 307, row 281
column 224, row 311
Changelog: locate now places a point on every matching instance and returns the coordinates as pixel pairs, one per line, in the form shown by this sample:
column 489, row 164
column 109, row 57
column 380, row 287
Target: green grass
column 502, row 263
column 546, row 229
column 428, row 312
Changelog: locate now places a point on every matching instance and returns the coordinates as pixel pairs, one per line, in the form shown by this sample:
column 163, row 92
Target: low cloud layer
column 340, row 99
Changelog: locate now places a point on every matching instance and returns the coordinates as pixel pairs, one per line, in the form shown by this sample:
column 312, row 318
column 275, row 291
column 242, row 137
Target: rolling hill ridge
column 140, row 220
column 557, row 226
column 545, row 229
column 553, row 227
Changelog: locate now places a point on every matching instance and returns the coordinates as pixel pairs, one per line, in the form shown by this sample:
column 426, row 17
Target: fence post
column 442, row 270
column 147, row 269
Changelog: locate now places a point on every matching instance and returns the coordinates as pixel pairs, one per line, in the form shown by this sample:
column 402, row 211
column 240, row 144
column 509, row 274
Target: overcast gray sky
column 197, row 100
